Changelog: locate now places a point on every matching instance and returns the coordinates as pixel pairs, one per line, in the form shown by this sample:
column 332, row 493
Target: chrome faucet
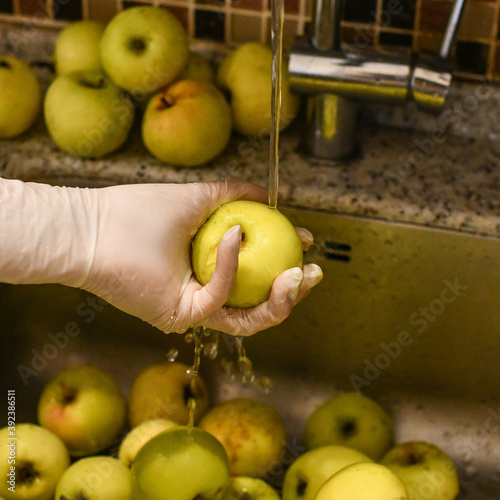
column 336, row 79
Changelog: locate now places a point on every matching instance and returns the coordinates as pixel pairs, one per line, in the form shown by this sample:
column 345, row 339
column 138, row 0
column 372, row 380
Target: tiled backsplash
column 416, row 24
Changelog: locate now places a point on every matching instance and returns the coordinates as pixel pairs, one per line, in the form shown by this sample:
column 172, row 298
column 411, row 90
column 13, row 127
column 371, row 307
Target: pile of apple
column 140, row 66
column 165, row 441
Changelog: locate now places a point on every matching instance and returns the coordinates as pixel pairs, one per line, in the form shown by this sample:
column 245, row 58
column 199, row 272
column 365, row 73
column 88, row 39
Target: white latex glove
column 130, row 245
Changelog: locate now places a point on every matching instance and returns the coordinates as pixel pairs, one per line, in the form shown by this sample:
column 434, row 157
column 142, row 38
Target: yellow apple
column 20, row 97
column 249, row 488
column 269, row 246
column 351, row 419
column 252, row 433
column 427, row 471
column 137, row 437
column 144, row 48
column 163, row 390
column 188, row 123
column 310, row 470
column 363, row 481
column 77, row 47
column 246, row 74
column 85, row 407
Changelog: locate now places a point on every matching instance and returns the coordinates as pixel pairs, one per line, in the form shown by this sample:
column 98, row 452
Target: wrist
column 47, row 233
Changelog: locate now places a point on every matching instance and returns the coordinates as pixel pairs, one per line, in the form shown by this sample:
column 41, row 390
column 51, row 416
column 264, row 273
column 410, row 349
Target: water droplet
column 172, row 354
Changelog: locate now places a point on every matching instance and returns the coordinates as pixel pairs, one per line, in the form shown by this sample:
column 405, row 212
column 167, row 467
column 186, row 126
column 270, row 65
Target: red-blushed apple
column 20, row 98
column 309, row 471
column 86, row 114
column 180, row 464
column 187, row 124
column 137, row 437
column 351, row 419
column 163, row 390
column 144, row 48
column 95, row 478
column 269, row 246
column 77, row 47
column 426, row 470
column 85, row 407
column 252, row 433
column 246, row 74
column 363, row 481
column 32, row 459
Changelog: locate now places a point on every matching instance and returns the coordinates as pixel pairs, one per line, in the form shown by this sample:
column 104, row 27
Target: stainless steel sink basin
column 406, row 314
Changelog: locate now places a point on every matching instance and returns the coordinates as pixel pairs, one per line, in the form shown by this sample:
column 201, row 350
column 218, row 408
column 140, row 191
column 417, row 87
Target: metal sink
column 407, row 314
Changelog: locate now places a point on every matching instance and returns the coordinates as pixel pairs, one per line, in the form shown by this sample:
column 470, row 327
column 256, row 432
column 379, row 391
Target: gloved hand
column 131, row 244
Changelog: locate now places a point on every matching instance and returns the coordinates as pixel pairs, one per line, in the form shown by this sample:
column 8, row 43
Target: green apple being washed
column 269, row 246
column 180, row 464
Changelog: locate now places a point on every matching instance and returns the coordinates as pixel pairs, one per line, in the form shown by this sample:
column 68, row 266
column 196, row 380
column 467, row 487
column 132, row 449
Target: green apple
column 86, row 114
column 363, row 481
column 249, row 488
column 143, row 49
column 427, row 471
column 77, row 47
column 85, row 407
column 309, row 471
column 188, row 123
column 252, row 433
column 269, row 246
column 198, row 67
column 32, row 464
column 163, row 390
column 180, row 464
column 139, row 436
column 351, row 419
column 20, row 98
column 95, row 478
column 246, row 73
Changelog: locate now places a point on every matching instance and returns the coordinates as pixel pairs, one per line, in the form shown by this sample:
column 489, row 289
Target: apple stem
column 27, row 473
column 166, row 102
column 138, row 45
column 5, row 64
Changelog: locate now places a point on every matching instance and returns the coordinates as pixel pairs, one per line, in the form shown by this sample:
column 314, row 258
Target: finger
column 270, row 313
column 312, row 276
column 217, row 291
column 305, row 236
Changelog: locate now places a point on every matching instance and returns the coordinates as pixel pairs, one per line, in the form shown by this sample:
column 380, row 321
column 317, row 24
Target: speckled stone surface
column 457, row 186
column 412, row 167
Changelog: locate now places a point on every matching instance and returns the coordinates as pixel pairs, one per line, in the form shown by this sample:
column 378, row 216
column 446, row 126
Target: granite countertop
column 453, row 184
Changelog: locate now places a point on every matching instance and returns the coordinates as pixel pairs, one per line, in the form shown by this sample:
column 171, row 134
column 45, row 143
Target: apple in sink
column 246, row 74
column 85, row 407
column 32, row 464
column 351, row 419
column 188, row 123
column 426, row 470
column 86, row 114
column 20, row 98
column 309, row 471
column 163, row 390
column 180, row 464
column 95, row 478
column 269, row 246
column 252, row 433
column 77, row 47
column 363, row 481
column 137, row 437
column 143, row 49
